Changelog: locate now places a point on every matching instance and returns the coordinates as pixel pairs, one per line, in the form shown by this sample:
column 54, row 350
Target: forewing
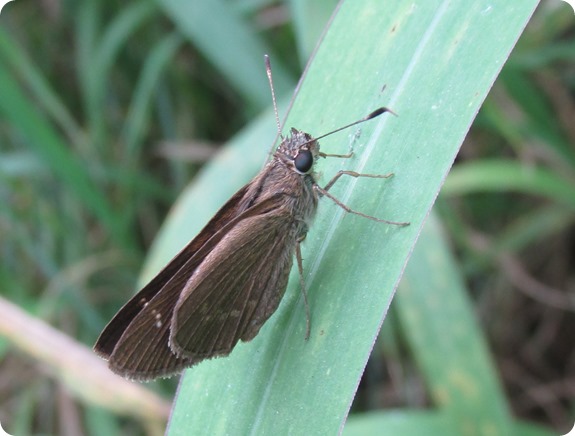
column 237, row 288
column 142, row 350
column 116, row 327
column 147, row 358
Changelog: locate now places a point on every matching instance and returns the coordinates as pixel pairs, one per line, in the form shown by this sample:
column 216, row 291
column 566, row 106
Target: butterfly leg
column 355, row 174
column 324, row 191
column 342, row 156
column 303, row 291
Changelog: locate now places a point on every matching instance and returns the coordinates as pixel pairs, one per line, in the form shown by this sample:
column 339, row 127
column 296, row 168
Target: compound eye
column 303, row 161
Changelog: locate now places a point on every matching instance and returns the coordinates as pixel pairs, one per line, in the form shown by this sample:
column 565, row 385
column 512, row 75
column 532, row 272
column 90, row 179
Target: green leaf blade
column 436, row 61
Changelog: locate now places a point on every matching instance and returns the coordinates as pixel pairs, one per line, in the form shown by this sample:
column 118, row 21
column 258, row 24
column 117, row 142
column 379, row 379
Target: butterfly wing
column 237, row 287
column 145, row 356
column 115, row 328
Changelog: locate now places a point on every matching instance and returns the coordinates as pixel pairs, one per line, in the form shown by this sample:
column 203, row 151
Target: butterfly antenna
column 374, row 114
column 270, row 80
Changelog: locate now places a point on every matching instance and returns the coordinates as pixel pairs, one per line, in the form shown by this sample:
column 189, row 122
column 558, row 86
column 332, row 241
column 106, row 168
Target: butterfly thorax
column 290, row 174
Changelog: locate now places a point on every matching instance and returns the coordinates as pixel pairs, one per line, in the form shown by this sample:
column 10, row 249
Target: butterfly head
column 299, row 150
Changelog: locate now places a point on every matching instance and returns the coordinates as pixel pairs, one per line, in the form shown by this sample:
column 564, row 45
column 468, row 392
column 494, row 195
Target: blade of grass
column 32, row 77
column 539, row 118
column 440, row 325
column 402, row 423
column 52, row 149
column 508, row 176
column 97, row 58
column 438, row 60
column 418, row 423
column 217, row 30
column 438, row 321
column 135, row 125
column 88, row 22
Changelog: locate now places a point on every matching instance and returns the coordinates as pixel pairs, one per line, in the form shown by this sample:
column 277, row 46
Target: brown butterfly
column 224, row 285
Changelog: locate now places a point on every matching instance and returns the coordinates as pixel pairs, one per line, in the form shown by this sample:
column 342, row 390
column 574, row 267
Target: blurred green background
column 109, row 109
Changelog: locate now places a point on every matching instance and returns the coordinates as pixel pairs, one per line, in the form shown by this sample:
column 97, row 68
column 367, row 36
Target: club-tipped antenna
column 271, row 82
column 374, row 114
